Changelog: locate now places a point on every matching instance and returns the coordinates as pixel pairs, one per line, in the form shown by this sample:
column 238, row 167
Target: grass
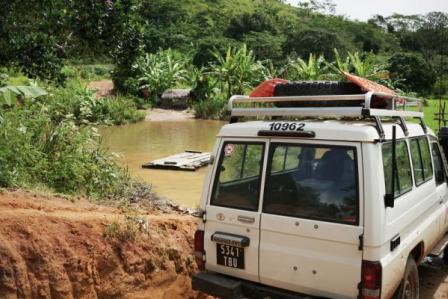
column 429, row 110
column 432, row 107
column 88, row 72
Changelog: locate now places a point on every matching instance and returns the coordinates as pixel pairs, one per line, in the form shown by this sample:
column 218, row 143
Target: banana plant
column 314, row 68
column 237, row 69
column 365, row 67
column 160, row 71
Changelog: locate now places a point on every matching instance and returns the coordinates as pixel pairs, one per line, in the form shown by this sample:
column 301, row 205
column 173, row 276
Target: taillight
column 371, row 280
column 199, row 252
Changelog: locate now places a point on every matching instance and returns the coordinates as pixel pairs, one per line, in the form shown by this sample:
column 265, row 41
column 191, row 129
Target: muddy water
column 143, row 142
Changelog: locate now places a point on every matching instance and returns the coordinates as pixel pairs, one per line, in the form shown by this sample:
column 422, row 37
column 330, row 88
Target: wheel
column 409, row 287
column 314, row 88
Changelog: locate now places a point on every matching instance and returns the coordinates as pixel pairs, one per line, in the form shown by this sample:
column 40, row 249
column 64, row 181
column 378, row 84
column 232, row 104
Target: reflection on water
column 146, row 141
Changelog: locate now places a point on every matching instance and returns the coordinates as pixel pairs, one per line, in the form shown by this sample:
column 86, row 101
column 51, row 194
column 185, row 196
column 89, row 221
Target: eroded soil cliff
column 51, row 247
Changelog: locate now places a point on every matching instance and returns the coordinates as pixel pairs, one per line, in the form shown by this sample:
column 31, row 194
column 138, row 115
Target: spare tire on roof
column 316, row 88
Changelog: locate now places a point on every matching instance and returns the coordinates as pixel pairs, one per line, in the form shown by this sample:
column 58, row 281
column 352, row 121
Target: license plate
column 230, row 256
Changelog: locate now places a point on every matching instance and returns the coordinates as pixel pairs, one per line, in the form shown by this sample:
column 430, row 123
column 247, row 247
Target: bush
column 80, row 105
column 212, row 108
column 39, row 150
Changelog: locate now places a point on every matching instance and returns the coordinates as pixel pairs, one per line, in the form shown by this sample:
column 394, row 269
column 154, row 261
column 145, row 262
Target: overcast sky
column 364, row 9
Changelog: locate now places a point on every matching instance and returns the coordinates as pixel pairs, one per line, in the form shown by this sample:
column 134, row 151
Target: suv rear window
column 314, row 182
column 403, row 178
column 421, row 159
column 238, row 176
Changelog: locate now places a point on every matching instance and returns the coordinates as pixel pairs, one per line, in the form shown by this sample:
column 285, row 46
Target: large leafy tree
column 37, row 35
column 412, row 71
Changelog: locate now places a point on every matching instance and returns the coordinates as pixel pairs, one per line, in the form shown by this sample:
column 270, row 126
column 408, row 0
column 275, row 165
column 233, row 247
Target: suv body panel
column 420, row 216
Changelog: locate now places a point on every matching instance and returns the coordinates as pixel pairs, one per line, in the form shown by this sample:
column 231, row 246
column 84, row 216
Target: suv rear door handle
column 246, row 219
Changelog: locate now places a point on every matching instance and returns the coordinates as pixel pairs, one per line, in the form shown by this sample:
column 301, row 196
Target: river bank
column 52, row 247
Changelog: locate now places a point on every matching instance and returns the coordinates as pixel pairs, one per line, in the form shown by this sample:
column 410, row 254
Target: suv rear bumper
column 226, row 287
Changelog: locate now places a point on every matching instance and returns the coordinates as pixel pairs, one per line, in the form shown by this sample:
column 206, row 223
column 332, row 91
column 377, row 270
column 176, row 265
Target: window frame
column 425, row 180
column 435, row 145
column 315, row 145
column 411, row 166
column 219, row 165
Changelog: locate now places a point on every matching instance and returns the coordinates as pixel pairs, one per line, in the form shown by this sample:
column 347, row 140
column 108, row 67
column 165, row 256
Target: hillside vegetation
column 216, row 48
column 51, row 31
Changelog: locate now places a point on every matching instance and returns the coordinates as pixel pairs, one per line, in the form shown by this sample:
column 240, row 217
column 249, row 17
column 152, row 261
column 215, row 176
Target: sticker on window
column 229, row 149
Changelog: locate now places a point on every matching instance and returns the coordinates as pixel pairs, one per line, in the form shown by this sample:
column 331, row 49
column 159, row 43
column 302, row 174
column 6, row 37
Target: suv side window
column 438, row 164
column 313, row 182
column 403, row 179
column 237, row 183
column 421, row 159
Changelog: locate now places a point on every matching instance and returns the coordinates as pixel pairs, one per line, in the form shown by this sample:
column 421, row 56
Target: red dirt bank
column 53, row 248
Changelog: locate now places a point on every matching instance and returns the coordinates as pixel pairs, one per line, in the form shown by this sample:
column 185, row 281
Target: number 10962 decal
column 282, row 126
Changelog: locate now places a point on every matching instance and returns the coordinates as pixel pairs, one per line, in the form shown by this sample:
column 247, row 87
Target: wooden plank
column 188, row 160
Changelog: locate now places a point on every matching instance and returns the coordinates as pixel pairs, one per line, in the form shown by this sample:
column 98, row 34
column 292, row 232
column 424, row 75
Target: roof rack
column 363, row 111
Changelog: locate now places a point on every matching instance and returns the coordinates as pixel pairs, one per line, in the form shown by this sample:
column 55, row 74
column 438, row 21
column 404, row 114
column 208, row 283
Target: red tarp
column 266, row 89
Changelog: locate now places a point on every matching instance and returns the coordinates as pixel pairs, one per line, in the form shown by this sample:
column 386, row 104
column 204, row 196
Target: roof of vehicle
column 340, row 130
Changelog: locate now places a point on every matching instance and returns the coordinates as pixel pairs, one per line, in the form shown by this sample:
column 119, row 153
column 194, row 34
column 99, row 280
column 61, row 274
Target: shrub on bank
column 39, row 150
column 50, row 142
column 212, row 108
column 79, row 104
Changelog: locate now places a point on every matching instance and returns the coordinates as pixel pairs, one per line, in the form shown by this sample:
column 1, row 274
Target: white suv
column 341, row 207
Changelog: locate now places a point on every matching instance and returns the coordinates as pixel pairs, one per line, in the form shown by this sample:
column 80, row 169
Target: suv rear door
column 311, row 220
column 232, row 224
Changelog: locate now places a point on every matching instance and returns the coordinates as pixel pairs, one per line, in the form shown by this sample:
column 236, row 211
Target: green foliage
column 237, row 70
column 204, row 55
column 39, row 150
column 36, row 37
column 126, row 54
column 412, row 71
column 87, row 72
column 367, row 66
column 363, row 65
column 313, row 69
column 36, row 54
column 265, row 45
column 10, row 94
column 80, row 105
column 258, row 21
column 211, row 108
column 3, row 79
column 158, row 72
column 204, row 86
column 318, row 41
